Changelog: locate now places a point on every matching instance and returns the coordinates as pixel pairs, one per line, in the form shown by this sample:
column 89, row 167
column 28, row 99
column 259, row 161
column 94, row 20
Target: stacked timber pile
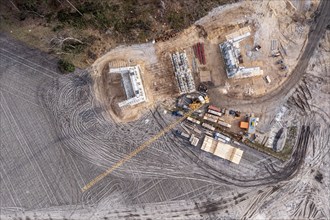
column 199, row 52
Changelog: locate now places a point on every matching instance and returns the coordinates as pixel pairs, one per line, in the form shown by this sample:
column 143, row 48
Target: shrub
column 176, row 20
column 66, row 66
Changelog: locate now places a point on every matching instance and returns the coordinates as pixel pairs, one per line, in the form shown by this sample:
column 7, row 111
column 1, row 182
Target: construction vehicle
column 200, row 100
column 195, row 105
column 279, row 62
column 257, row 48
column 283, row 67
column 207, row 99
column 202, row 88
column 177, row 113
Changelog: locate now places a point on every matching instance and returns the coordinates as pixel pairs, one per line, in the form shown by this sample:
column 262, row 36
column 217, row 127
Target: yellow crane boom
column 138, row 150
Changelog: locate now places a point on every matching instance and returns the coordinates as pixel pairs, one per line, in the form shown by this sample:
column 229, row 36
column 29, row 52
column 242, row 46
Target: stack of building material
column 183, row 74
column 222, row 150
column 193, row 140
column 200, row 53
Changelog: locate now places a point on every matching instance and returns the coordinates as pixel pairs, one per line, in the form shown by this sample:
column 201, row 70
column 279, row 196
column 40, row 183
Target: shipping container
column 220, row 139
column 214, row 108
column 197, row 131
column 210, row 119
column 218, row 135
column 214, row 112
column 208, row 126
column 211, row 116
column 193, row 120
column 185, row 135
column 209, row 133
column 224, row 124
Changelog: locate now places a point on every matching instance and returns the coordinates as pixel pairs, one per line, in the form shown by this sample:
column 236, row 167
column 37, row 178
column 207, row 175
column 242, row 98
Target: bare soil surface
column 268, row 21
column 56, row 136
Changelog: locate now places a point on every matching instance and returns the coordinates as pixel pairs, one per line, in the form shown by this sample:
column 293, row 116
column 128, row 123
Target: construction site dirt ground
column 281, row 22
column 56, row 137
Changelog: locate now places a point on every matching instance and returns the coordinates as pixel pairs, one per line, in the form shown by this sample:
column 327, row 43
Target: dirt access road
column 279, row 95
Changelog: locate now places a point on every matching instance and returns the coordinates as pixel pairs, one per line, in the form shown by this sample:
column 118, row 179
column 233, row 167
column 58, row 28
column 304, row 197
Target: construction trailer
column 214, row 108
column 221, row 136
column 211, row 118
column 195, row 121
column 208, row 126
column 224, row 124
column 252, row 125
column 219, row 114
column 183, row 134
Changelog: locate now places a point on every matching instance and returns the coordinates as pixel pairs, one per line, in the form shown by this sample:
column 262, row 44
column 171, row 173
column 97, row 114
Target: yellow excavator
column 198, row 102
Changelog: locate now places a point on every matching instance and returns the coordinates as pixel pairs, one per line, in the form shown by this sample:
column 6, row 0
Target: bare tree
column 60, row 42
column 74, row 7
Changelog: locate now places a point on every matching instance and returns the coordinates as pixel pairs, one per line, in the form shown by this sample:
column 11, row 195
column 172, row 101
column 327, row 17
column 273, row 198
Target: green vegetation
column 176, row 20
column 66, row 66
column 73, row 47
column 112, row 21
column 285, row 154
column 128, row 20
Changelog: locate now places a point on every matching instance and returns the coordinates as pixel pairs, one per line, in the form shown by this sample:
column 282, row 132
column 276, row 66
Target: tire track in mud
column 274, row 176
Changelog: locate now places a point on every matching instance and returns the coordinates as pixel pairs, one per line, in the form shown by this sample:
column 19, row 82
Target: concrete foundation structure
column 232, row 56
column 132, row 83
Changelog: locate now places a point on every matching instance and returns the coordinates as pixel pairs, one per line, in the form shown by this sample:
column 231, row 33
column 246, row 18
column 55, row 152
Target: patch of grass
column 58, row 27
column 74, row 47
column 74, row 19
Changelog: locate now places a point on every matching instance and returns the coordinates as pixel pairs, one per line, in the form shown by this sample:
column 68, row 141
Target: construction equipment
column 207, row 99
column 177, row 113
column 200, row 100
column 194, row 105
column 202, row 88
column 129, row 156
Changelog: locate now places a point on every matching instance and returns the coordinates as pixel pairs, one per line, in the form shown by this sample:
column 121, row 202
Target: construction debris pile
column 183, row 73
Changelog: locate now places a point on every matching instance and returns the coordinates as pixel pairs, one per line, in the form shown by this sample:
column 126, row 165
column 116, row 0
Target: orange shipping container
column 244, row 125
